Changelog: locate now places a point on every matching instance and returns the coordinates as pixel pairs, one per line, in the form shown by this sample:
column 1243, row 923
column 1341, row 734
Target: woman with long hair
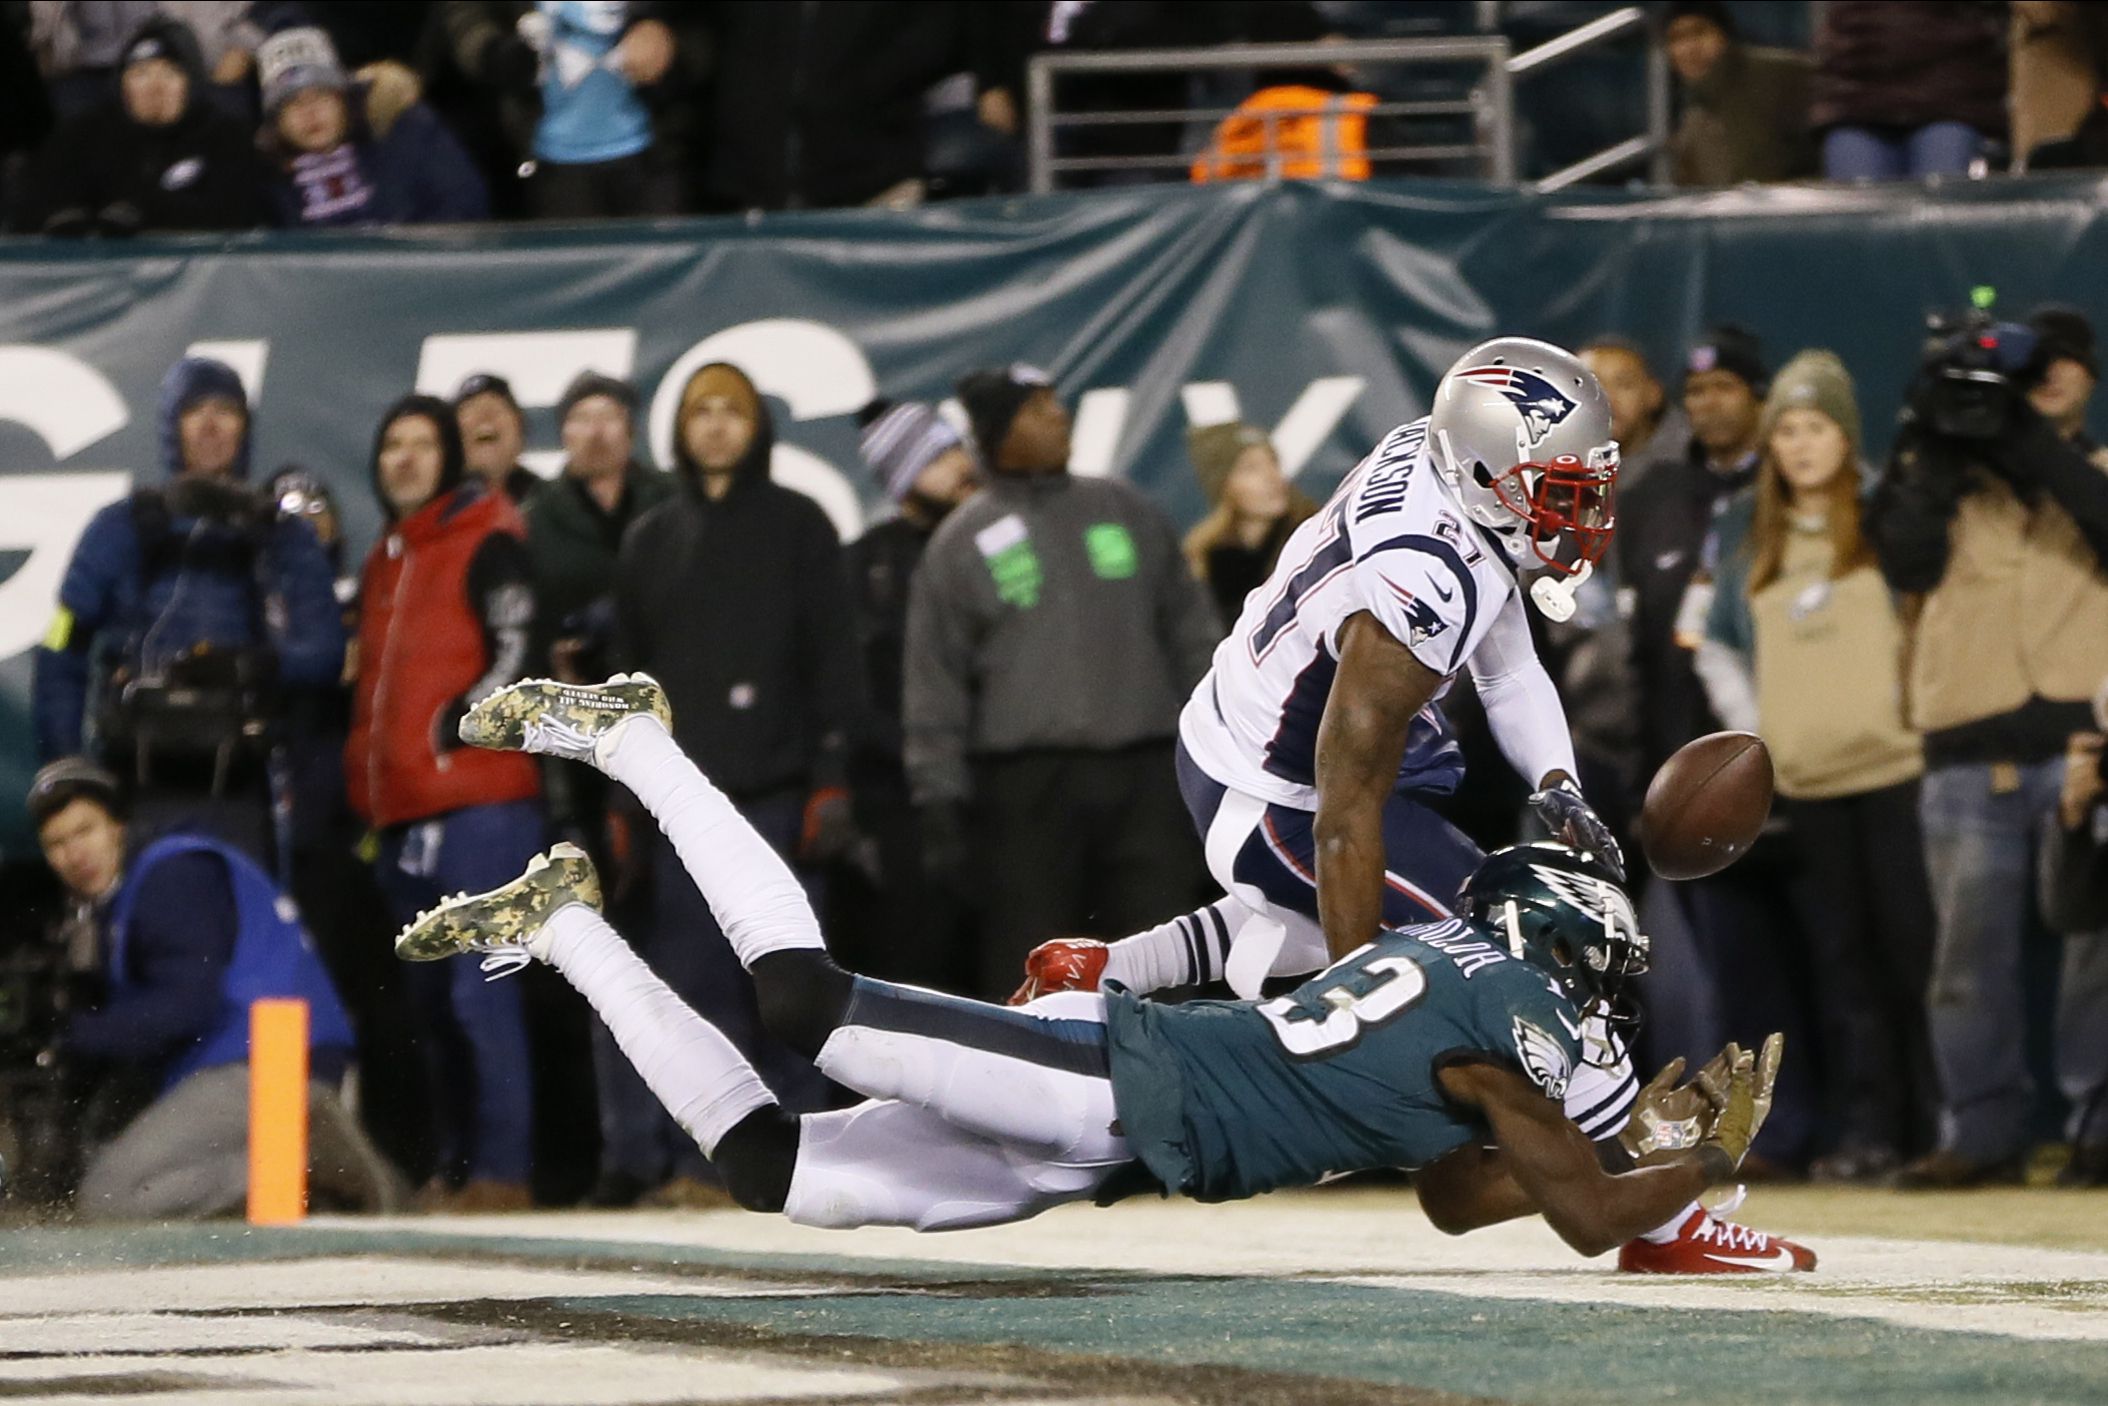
column 1804, row 646
column 1252, row 507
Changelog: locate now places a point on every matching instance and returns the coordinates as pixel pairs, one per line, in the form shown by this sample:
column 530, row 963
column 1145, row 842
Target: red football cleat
column 1705, row 1244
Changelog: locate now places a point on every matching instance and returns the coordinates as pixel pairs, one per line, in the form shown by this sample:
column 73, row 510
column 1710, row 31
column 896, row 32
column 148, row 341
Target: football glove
column 1065, row 964
column 1741, row 1098
column 1572, row 821
column 1666, row 1121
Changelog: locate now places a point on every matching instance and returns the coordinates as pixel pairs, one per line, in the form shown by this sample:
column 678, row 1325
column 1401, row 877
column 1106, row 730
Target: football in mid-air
column 1706, row 805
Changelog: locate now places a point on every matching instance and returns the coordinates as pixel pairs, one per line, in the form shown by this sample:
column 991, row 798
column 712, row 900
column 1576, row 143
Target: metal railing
column 1490, row 104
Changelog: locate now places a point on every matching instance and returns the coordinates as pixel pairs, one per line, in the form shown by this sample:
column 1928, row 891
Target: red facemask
column 1566, row 500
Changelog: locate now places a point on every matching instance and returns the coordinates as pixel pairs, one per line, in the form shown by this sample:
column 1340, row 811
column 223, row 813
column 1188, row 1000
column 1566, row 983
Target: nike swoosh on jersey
column 1445, row 595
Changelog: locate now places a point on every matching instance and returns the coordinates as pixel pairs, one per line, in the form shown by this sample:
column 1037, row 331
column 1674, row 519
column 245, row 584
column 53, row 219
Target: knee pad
column 802, row 995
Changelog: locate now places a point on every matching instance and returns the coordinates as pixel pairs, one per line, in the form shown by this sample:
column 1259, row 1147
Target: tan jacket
column 2021, row 613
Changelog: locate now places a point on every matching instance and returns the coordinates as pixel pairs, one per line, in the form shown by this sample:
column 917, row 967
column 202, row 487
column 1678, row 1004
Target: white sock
column 1665, row 1232
column 757, row 899
column 701, row 1079
column 1188, row 950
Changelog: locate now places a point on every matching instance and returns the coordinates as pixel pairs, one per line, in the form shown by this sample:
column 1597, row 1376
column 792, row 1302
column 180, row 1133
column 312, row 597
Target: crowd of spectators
column 1923, row 645
column 124, row 118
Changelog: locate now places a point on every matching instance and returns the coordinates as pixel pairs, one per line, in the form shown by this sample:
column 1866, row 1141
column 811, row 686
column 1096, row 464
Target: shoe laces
column 1733, row 1237
column 508, row 959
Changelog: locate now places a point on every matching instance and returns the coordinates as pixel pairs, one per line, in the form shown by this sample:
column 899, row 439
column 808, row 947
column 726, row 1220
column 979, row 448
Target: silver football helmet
column 1520, row 431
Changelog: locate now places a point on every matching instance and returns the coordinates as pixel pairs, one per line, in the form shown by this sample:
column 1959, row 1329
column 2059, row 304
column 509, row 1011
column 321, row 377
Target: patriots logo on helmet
column 1540, row 403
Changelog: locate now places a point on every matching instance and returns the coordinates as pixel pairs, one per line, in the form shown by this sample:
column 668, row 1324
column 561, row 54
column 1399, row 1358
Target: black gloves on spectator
column 1574, row 822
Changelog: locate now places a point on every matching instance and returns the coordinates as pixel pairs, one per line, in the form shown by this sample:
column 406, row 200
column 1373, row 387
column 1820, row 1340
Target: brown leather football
column 1706, row 805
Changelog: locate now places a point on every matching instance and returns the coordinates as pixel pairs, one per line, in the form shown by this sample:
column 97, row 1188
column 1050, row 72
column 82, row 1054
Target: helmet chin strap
column 1554, row 595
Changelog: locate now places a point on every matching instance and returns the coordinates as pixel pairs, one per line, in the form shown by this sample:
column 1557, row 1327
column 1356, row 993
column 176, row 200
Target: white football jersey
column 1390, row 541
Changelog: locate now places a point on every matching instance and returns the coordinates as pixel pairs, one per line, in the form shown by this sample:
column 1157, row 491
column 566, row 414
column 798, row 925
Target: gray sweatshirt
column 1048, row 613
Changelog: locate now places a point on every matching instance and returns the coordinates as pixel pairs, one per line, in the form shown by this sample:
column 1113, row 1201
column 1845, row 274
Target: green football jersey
column 1226, row 1099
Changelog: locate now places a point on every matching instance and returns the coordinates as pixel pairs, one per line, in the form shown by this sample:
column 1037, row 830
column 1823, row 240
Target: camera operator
column 182, row 610
column 188, row 932
column 1994, row 510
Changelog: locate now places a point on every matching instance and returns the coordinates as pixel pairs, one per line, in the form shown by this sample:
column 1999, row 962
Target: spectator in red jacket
column 448, row 608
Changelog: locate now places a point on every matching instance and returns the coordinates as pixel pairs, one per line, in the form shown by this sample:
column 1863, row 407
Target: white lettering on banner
column 813, row 369
column 1302, row 431
column 1100, row 416
column 537, row 365
column 246, row 357
column 70, row 405
column 44, row 514
column 67, row 402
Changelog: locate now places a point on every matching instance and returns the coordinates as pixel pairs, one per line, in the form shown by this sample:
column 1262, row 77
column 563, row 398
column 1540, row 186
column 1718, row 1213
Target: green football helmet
column 1562, row 911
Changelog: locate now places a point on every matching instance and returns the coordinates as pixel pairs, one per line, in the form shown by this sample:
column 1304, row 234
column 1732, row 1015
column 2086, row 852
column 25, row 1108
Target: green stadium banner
column 1322, row 312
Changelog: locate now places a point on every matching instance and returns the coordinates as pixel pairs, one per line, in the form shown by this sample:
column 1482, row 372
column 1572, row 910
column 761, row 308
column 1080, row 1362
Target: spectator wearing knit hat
column 493, row 433
column 898, row 923
column 449, row 610
column 1804, row 646
column 731, row 594
column 1745, row 108
column 1252, row 507
column 1054, row 633
column 356, row 153
column 156, row 155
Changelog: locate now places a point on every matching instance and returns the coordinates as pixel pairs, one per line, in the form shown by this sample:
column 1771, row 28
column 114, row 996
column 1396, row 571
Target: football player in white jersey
column 1308, row 752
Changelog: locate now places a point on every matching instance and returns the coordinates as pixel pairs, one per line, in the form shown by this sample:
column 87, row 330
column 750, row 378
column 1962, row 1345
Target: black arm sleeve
column 501, row 594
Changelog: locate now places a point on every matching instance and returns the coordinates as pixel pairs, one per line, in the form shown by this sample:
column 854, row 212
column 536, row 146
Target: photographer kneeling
column 1994, row 510
column 190, row 932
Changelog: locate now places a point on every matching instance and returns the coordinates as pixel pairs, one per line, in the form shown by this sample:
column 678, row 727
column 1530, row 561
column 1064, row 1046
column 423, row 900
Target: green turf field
column 1343, row 1295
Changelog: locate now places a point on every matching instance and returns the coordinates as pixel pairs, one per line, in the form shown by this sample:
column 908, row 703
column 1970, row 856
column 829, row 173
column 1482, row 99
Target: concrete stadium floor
column 1341, row 1295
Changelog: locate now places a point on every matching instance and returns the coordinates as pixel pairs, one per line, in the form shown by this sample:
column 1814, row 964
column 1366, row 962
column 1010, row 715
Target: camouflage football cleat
column 563, row 719
column 504, row 923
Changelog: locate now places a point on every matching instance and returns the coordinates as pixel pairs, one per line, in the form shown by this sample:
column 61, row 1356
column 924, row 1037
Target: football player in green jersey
column 1443, row 1048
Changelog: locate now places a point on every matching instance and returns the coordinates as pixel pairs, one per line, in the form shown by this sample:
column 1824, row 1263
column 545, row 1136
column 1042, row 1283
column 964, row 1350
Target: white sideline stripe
column 2082, row 1318
column 523, row 1374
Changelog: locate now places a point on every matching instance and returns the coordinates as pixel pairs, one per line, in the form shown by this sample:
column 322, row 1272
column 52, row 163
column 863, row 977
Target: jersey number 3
column 1372, row 994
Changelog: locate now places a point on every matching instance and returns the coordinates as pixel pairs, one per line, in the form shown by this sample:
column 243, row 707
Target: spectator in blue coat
column 184, row 605
column 367, row 153
column 189, row 933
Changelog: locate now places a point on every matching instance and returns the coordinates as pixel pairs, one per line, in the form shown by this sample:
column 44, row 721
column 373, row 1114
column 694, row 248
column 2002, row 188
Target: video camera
column 1973, row 369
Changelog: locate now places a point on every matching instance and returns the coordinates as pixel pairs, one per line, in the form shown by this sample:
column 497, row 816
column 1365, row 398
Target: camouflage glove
column 1065, row 964
column 1666, row 1121
column 1741, row 1100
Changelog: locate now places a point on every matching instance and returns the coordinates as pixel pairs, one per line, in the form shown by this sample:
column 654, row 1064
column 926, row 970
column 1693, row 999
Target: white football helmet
column 1520, row 432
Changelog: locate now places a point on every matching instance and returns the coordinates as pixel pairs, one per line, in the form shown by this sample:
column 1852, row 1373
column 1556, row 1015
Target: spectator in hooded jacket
column 448, row 612
column 79, row 47
column 1745, row 108
column 198, row 563
column 1907, row 88
column 1252, row 507
column 1804, row 646
column 493, row 434
column 356, row 154
column 731, row 594
column 156, row 155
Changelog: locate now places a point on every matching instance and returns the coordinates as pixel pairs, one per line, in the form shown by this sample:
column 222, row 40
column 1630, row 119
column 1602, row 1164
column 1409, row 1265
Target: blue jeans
column 1979, row 828
column 1897, row 153
column 685, row 946
column 474, row 1038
